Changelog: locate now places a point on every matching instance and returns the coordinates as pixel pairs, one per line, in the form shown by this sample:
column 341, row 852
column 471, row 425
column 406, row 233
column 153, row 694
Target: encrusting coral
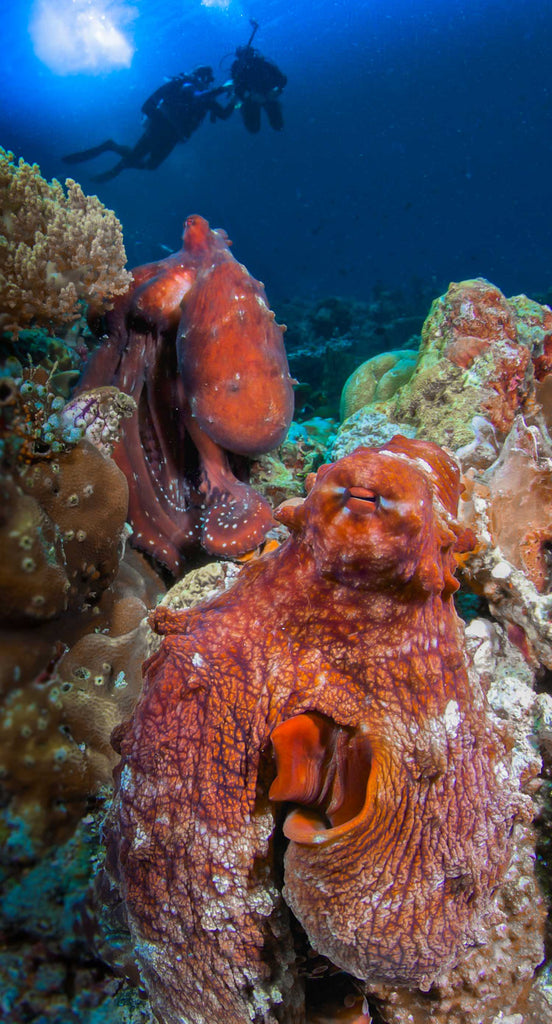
column 64, row 503
column 72, row 621
column 58, row 249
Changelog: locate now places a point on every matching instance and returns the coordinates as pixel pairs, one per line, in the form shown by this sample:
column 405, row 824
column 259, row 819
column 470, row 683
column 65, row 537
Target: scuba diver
column 257, row 84
column 173, row 112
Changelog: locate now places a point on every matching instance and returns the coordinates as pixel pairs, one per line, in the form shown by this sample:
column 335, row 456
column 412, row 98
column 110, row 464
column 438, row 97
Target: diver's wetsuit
column 257, row 84
column 173, row 112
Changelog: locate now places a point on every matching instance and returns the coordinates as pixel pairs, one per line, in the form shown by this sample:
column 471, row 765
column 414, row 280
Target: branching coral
column 58, row 248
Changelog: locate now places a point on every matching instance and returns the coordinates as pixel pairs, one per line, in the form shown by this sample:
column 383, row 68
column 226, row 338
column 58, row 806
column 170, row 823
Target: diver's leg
column 251, row 114
column 159, row 151
column 135, row 158
column 109, row 146
column 275, row 116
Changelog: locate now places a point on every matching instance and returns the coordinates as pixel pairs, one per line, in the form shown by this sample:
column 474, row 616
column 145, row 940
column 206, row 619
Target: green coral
column 440, row 402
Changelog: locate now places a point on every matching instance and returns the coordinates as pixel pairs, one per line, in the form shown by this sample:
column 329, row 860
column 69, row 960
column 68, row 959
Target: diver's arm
column 218, row 113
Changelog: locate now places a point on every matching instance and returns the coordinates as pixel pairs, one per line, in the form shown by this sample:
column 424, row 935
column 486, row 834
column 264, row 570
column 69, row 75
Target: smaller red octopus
column 196, row 345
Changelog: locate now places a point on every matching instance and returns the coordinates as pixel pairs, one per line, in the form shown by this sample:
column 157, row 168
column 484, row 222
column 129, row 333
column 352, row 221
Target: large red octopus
column 196, row 345
column 326, row 689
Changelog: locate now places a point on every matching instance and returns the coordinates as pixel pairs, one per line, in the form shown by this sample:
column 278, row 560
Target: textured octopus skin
column 195, row 344
column 327, row 686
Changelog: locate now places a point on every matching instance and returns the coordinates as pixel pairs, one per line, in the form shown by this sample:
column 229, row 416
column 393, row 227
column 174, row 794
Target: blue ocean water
column 417, row 142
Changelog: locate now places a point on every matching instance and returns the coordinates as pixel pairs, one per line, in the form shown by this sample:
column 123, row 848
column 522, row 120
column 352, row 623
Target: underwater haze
column 416, row 146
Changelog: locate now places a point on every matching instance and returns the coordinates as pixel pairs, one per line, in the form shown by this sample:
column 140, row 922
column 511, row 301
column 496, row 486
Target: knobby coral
column 64, row 685
column 330, row 683
column 58, row 249
column 64, row 503
column 72, row 619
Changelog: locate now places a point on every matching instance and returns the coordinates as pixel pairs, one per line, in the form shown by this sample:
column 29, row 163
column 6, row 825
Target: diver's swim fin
column 108, row 175
column 109, row 146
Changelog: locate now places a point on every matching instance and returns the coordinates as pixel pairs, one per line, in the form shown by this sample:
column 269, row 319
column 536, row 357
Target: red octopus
column 196, row 345
column 327, row 692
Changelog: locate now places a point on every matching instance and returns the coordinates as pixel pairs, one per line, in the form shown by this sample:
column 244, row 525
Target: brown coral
column 60, row 532
column 72, row 632
column 58, row 248
column 64, row 502
column 65, row 685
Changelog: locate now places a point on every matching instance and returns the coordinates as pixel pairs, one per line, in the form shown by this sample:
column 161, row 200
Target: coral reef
column 481, row 386
column 65, row 685
column 58, row 249
column 282, row 473
column 270, row 681
column 72, row 623
column 366, row 427
column 328, row 339
column 64, row 504
column 63, row 357
column 475, row 359
column 342, row 651
column 46, row 970
column 197, row 347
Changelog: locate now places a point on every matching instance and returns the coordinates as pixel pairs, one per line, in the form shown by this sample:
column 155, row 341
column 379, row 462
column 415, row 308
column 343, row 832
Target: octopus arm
column 205, row 929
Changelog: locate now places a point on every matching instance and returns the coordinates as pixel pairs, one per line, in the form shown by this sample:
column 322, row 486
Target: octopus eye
column 362, row 500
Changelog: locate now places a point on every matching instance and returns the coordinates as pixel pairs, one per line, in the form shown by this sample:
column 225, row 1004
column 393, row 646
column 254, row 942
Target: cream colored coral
column 58, row 248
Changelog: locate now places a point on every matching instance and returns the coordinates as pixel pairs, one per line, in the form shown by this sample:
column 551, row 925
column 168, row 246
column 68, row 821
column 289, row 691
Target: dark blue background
column 417, row 141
